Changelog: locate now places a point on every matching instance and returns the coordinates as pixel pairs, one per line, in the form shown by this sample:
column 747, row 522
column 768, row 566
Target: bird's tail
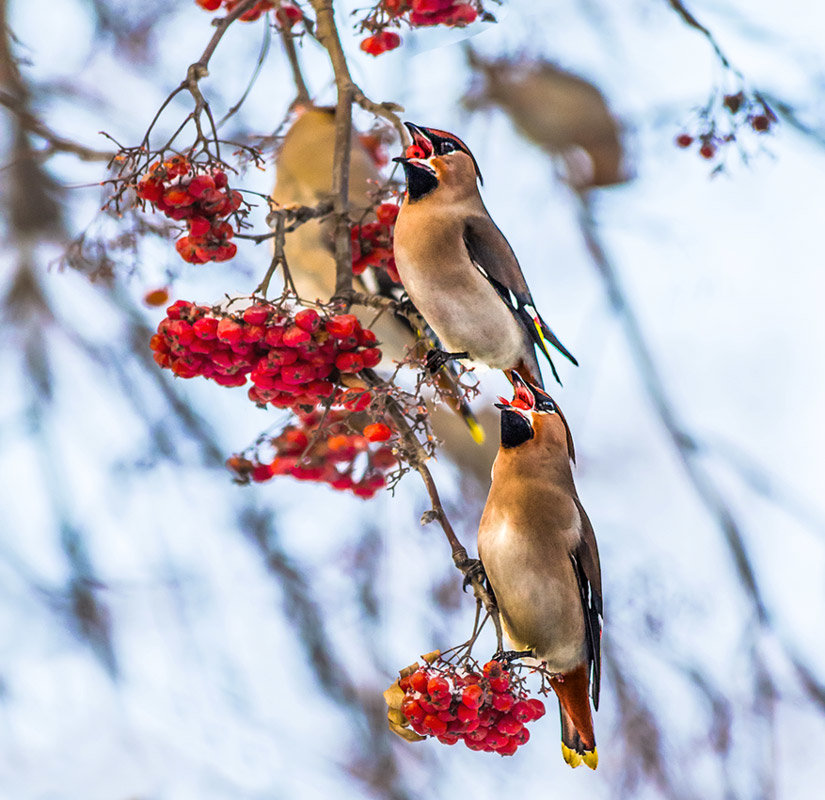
column 448, row 381
column 578, row 743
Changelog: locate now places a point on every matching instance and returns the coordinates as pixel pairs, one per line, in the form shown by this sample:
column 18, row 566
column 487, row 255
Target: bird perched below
column 539, row 553
column 456, row 265
column 304, row 163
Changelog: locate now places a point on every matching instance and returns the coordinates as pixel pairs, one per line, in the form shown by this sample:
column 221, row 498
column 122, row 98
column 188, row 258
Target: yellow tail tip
column 476, row 431
column 570, row 756
column 574, row 759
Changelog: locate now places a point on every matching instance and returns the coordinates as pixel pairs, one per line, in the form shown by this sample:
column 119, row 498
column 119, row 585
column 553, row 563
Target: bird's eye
column 447, row 147
column 545, row 404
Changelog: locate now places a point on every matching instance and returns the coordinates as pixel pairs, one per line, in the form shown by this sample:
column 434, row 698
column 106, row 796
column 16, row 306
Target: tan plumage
column 304, row 177
column 539, row 553
column 562, row 113
column 456, row 265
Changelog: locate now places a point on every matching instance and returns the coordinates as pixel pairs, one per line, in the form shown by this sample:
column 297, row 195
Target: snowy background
column 165, row 634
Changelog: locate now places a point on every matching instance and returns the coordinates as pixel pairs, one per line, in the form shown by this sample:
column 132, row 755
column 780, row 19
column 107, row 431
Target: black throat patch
column 515, row 429
column 420, row 181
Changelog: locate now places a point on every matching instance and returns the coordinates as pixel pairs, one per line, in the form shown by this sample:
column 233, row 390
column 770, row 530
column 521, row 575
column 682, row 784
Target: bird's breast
column 535, row 586
column 458, row 302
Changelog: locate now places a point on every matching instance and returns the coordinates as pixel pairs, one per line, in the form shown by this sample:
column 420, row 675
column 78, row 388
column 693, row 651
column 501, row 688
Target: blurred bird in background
column 456, row 265
column 303, row 176
column 540, row 556
column 560, row 112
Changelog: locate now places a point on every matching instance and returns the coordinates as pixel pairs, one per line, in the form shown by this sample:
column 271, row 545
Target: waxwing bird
column 560, row 112
column 456, row 265
column 539, row 553
column 304, row 164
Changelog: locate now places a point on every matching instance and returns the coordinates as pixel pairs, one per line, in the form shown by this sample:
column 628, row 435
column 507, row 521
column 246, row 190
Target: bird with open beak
column 456, row 265
column 539, row 553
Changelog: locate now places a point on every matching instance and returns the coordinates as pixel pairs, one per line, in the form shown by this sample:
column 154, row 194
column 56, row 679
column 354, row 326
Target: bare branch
column 303, row 95
column 327, row 35
column 416, row 457
column 56, row 143
column 679, row 7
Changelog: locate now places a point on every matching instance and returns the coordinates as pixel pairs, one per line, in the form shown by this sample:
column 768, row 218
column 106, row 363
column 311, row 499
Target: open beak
column 524, row 394
column 420, row 139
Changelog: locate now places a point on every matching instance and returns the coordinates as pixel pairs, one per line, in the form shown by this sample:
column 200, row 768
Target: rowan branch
column 56, row 143
column 302, row 91
column 687, row 17
column 326, row 25
column 327, row 35
column 416, row 457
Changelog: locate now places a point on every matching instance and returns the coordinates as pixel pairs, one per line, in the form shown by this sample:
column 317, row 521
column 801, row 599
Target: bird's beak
column 420, row 138
column 523, row 391
column 417, row 163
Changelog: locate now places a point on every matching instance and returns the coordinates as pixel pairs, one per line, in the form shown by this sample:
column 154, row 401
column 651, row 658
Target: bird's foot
column 473, row 569
column 511, row 655
column 436, row 358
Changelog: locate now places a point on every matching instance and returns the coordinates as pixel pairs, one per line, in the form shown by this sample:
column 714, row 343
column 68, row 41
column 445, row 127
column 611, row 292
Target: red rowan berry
column 156, row 297
column 229, row 331
column 377, row 432
column 256, row 315
column 294, row 336
column 349, row 362
column 342, row 325
column 472, row 696
column 308, row 320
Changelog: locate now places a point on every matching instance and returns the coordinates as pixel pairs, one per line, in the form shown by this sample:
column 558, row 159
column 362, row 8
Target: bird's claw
column 436, row 358
column 511, row 655
column 474, row 569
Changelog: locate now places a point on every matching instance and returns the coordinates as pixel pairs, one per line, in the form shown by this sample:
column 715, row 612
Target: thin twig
column 56, row 142
column 343, row 79
column 328, row 37
column 302, row 91
column 278, row 260
column 679, row 7
column 265, row 45
column 416, row 458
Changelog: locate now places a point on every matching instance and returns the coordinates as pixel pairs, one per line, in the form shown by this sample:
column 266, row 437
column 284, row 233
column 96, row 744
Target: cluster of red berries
column 197, row 194
column 744, row 113
column 287, row 14
column 372, row 242
column 417, row 14
column 487, row 712
column 327, row 448
column 291, row 359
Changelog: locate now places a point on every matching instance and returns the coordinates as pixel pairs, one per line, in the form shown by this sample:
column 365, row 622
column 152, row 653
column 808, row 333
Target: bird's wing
column 495, row 260
column 585, row 560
